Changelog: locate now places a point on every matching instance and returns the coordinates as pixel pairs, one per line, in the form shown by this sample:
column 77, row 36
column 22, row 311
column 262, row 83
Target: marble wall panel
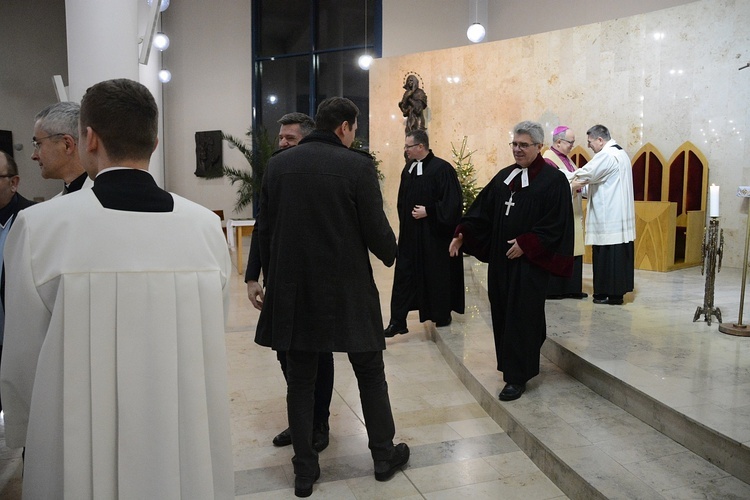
column 665, row 89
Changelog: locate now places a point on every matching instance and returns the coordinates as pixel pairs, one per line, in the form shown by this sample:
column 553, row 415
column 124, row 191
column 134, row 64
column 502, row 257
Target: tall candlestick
column 713, row 200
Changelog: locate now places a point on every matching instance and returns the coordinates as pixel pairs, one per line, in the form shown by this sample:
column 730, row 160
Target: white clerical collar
column 524, row 177
column 418, row 164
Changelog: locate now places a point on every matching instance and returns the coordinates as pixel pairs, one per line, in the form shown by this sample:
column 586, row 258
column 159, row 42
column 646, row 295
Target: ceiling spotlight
column 165, row 76
column 162, row 7
column 161, row 41
column 476, row 33
column 365, row 61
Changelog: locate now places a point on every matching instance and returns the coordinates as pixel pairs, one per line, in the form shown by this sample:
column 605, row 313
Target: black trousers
column 613, row 267
column 323, row 385
column 373, row 393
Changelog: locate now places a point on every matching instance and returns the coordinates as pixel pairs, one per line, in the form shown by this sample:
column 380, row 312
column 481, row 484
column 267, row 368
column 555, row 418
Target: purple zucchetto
column 559, row 130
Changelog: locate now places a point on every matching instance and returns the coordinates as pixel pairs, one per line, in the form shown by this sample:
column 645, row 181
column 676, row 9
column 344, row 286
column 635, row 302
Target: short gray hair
column 532, row 129
column 306, row 124
column 60, row 118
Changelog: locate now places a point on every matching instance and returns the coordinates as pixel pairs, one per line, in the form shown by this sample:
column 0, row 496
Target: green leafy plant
column 257, row 156
column 466, row 173
column 359, row 144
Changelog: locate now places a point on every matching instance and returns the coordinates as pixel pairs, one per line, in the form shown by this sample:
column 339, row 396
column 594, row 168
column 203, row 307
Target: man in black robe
column 522, row 224
column 429, row 207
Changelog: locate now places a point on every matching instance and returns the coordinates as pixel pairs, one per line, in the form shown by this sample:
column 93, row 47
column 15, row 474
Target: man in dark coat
column 429, row 207
column 294, row 127
column 522, row 224
column 321, row 210
column 10, row 204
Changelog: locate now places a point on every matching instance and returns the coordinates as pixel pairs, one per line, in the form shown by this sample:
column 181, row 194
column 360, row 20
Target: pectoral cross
column 509, row 204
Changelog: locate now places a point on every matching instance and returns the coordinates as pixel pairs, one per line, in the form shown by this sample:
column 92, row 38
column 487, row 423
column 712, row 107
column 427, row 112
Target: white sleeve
column 26, row 322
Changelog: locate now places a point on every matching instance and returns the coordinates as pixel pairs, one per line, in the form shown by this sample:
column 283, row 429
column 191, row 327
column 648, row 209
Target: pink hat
column 559, row 130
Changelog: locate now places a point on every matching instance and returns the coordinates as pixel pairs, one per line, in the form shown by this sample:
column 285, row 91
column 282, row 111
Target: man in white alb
column 114, row 373
column 610, row 216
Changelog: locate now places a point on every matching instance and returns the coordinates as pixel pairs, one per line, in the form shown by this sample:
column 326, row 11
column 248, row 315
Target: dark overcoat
column 321, row 211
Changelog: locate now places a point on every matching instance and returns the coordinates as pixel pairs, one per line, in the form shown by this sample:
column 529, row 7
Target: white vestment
column 114, row 371
column 610, row 213
column 578, row 248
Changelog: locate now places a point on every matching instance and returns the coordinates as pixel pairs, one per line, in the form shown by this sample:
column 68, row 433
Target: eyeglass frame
column 409, row 146
column 37, row 142
column 572, row 143
column 522, row 145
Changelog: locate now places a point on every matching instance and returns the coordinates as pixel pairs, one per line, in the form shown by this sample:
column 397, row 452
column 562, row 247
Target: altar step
column 593, row 434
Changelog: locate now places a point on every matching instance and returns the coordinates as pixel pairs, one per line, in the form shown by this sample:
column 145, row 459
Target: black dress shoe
column 601, row 301
column 303, row 485
column 443, row 323
column 615, row 300
column 555, row 297
column 393, row 330
column 283, row 438
column 385, row 469
column 320, row 437
column 511, row 392
column 579, row 295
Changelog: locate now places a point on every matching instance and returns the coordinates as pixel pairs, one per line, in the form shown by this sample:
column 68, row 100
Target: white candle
column 713, row 199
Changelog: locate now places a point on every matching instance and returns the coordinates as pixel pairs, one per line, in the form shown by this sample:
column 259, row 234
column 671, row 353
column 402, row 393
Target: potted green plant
column 257, row 156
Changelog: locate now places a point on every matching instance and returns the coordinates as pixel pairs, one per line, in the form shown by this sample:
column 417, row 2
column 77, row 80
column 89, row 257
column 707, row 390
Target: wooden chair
column 220, row 213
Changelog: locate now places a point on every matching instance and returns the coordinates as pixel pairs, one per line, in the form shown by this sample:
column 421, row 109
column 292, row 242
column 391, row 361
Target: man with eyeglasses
column 294, row 128
column 55, row 144
column 610, row 217
column 563, row 140
column 429, row 206
column 11, row 202
column 522, row 224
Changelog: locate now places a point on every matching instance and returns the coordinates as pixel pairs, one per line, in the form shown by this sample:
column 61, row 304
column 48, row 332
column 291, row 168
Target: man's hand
column 515, row 251
column 255, row 294
column 419, row 212
column 576, row 186
column 455, row 245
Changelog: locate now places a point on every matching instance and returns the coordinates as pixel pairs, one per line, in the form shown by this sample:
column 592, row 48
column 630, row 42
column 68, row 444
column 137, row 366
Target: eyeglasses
column 522, row 145
column 409, row 146
column 37, row 143
column 569, row 142
column 7, row 176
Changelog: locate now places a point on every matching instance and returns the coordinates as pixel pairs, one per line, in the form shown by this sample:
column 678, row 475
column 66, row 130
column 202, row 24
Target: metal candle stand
column 738, row 328
column 711, row 252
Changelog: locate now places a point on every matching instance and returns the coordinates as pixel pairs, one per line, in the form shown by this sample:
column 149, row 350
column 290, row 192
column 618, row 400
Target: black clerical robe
column 540, row 218
column 426, row 277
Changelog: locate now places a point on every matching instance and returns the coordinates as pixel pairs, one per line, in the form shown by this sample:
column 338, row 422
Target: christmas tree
column 466, row 174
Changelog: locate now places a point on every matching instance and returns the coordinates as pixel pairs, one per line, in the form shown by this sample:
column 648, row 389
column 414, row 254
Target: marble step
column 585, row 443
column 588, row 446
column 712, row 444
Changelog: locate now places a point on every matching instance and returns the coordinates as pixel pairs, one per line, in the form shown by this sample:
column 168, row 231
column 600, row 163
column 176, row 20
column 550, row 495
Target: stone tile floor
column 457, row 449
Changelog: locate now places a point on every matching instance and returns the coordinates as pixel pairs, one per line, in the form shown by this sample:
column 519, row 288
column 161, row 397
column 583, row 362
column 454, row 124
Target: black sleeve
column 252, row 272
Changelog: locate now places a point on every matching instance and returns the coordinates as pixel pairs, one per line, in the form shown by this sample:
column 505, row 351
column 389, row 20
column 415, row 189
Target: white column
column 103, row 43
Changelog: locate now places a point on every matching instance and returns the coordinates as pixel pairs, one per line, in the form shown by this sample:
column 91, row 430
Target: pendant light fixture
column 365, row 60
column 476, row 31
